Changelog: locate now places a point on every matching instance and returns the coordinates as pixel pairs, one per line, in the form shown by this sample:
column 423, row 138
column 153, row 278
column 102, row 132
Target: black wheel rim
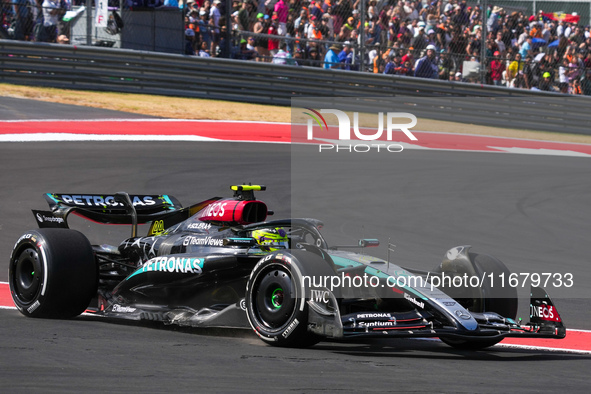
column 27, row 275
column 273, row 299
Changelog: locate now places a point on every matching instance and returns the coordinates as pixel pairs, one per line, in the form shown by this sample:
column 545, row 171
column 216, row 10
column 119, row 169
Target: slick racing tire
column 276, row 300
column 471, row 344
column 52, row 273
column 494, row 298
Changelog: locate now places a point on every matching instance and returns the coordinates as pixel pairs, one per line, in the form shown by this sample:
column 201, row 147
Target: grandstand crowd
column 439, row 39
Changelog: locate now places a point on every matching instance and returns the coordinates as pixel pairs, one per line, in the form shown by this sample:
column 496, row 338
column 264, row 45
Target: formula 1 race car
column 219, row 263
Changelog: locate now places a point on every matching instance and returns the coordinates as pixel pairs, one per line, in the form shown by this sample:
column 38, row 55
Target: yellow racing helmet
column 271, row 239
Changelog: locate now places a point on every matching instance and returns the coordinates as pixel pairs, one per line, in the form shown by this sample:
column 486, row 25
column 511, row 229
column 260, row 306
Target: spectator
column 408, row 56
column 204, row 50
column 281, row 11
column 189, row 42
column 446, row 65
column 526, row 47
column 377, row 61
column 405, row 70
column 220, row 48
column 36, row 9
column 587, row 60
column 564, row 79
column 204, row 28
column 346, row 29
column 316, row 30
column 426, row 67
column 328, row 26
column 235, row 22
column 23, row 20
column 51, row 14
column 244, row 15
column 475, row 45
column 578, row 37
column 372, row 10
column 250, row 45
column 314, row 58
column 547, row 32
column 394, row 63
column 530, row 73
column 331, row 59
column 493, row 20
column 475, row 15
column 459, row 18
column 513, row 70
column 586, row 83
column 546, row 83
column 214, row 21
column 536, row 30
column 302, row 19
column 570, row 54
column 560, row 29
column 273, row 42
column 419, row 43
column 567, row 30
column 246, row 52
column 262, row 44
column 502, row 48
column 316, row 9
column 282, row 56
column 581, row 54
column 346, row 56
column 431, row 39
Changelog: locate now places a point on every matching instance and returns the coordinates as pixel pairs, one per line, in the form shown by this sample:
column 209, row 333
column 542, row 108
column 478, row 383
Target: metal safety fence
column 111, row 69
column 536, row 44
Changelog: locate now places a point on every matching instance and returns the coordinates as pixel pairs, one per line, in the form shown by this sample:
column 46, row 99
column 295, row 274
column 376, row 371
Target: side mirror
column 240, row 242
column 369, row 243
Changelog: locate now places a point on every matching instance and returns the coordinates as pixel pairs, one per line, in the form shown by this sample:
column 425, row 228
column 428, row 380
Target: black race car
column 220, row 263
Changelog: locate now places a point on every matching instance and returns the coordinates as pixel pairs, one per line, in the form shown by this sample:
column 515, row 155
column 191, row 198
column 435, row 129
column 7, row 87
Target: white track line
column 71, row 137
column 550, row 349
column 143, row 120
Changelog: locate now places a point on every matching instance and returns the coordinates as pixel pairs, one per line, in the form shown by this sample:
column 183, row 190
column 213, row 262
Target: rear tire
column 52, row 273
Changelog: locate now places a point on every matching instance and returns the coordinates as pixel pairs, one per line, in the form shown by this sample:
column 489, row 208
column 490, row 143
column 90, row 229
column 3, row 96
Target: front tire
column 471, row 344
column 490, row 298
column 276, row 298
column 52, row 273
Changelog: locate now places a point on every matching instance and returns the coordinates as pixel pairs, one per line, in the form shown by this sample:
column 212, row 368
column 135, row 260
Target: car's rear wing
column 103, row 208
column 118, row 208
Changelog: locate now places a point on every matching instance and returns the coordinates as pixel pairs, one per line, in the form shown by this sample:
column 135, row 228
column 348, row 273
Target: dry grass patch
column 189, row 108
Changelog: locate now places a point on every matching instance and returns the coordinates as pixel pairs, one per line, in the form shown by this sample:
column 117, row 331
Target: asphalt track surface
column 12, row 108
column 530, row 211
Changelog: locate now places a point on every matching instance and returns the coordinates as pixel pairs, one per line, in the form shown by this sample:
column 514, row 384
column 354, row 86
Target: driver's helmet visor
column 271, row 238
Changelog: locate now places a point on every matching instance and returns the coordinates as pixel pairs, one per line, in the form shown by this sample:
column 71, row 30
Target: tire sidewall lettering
column 260, row 269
